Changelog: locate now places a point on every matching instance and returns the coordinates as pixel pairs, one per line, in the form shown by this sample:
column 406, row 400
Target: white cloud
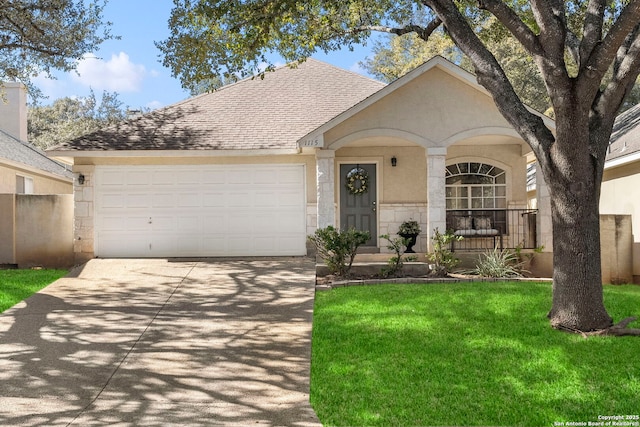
column 118, row 74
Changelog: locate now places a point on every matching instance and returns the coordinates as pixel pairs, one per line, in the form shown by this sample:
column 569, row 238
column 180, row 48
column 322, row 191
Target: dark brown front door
column 358, row 199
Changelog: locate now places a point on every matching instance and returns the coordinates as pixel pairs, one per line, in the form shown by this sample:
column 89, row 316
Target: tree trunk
column 573, row 175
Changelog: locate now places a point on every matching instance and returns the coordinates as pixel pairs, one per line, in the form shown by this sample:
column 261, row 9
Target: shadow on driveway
column 162, row 342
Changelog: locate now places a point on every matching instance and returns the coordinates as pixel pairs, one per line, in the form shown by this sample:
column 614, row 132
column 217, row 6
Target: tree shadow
column 184, row 343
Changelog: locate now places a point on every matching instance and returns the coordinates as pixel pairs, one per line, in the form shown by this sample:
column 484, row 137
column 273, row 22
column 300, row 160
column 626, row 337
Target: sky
column 131, row 66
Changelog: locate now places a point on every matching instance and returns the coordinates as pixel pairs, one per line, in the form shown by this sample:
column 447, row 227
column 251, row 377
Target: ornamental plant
column 441, row 257
column 338, row 248
column 409, row 227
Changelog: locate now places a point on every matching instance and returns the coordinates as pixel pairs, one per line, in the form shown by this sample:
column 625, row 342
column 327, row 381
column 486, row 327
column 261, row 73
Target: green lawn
column 466, row 354
column 16, row 285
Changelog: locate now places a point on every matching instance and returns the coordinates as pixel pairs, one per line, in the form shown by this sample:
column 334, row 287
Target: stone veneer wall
column 83, row 225
column 391, row 215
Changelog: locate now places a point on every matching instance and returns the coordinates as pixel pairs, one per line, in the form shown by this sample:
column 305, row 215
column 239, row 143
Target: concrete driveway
column 162, row 342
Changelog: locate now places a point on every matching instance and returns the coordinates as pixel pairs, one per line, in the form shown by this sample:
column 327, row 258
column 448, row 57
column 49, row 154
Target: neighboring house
column 24, row 168
column 36, row 202
column 620, row 192
column 256, row 166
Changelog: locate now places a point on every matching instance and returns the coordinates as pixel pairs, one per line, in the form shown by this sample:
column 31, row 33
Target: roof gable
column 270, row 113
column 407, row 84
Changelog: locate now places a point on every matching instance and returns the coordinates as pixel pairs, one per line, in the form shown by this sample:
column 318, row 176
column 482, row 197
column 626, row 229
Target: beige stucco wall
column 432, row 108
column 36, row 230
column 620, row 194
column 7, row 229
column 42, row 184
column 44, row 230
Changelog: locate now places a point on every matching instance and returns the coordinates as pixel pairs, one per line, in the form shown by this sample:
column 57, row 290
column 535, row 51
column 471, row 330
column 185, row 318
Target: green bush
column 499, row 263
column 441, row 257
column 338, row 248
column 397, row 245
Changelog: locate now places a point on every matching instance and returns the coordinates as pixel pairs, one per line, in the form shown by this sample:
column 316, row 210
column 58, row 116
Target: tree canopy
column 68, row 118
column 587, row 53
column 37, row 37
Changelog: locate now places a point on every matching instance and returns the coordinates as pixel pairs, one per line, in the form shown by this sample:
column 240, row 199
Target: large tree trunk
column 573, row 175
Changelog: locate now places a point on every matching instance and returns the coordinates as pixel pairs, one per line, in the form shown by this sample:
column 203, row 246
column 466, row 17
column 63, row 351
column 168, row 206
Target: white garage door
column 205, row 210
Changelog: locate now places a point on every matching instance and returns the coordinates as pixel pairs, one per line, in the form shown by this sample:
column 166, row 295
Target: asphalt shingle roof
column 625, row 138
column 274, row 112
column 27, row 154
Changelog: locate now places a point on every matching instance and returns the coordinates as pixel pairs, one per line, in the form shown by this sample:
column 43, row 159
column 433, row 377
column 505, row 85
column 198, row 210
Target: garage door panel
column 189, row 200
column 206, row 210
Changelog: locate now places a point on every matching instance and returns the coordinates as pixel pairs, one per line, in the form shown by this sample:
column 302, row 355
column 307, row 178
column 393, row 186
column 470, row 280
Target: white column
column 436, row 200
column 544, row 228
column 325, row 176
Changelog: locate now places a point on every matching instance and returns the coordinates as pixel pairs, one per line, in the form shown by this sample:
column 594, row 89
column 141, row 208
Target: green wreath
column 357, row 181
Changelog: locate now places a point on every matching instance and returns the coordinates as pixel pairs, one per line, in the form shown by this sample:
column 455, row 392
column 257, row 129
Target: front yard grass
column 16, row 285
column 466, row 354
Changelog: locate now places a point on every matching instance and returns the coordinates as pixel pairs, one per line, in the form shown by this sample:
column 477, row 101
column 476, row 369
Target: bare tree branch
column 549, row 14
column 513, row 23
column 492, row 77
column 605, row 52
column 422, row 32
column 625, row 75
column 592, row 30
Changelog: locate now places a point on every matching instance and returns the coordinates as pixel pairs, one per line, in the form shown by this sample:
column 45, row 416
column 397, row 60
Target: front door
column 358, row 199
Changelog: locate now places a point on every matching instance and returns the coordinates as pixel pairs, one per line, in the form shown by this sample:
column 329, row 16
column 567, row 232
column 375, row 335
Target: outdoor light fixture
column 394, row 161
column 80, row 179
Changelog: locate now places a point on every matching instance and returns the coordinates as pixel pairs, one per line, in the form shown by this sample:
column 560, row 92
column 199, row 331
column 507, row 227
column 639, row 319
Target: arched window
column 475, row 185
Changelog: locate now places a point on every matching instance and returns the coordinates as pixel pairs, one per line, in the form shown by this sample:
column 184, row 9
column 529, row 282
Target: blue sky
column 130, row 66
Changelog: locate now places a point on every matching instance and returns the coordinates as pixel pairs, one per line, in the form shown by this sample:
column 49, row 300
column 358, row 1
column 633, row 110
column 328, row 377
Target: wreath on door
column 357, row 181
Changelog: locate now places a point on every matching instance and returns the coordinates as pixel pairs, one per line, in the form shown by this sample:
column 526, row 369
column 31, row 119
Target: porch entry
column 358, row 203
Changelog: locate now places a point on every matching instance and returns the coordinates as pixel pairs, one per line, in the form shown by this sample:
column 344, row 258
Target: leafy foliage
column 499, row 263
column 444, row 261
column 69, row 118
column 587, row 54
column 338, row 248
column 397, row 245
column 39, row 36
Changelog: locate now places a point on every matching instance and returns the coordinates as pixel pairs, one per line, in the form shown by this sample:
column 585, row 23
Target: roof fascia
column 621, row 161
column 34, row 171
column 70, row 154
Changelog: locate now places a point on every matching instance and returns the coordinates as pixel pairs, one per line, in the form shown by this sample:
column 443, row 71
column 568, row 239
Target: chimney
column 13, row 110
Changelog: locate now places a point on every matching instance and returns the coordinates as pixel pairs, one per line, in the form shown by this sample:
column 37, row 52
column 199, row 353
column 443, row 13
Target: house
column 36, row 202
column 620, row 192
column 24, row 168
column 256, row 166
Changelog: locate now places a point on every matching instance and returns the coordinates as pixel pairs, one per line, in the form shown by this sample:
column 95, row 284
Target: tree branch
column 422, row 32
column 513, row 23
column 626, row 72
column 592, row 30
column 492, row 77
column 604, row 53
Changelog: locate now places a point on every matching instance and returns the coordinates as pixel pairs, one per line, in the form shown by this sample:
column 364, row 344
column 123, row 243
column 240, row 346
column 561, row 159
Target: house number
column 311, row 142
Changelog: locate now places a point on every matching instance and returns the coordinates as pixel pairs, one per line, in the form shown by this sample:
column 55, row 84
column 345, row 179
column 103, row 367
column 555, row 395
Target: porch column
column 325, row 177
column 544, row 227
column 436, row 200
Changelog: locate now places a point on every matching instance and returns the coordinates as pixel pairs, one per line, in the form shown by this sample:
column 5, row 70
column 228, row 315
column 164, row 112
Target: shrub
column 397, row 245
column 499, row 263
column 338, row 248
column 441, row 257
